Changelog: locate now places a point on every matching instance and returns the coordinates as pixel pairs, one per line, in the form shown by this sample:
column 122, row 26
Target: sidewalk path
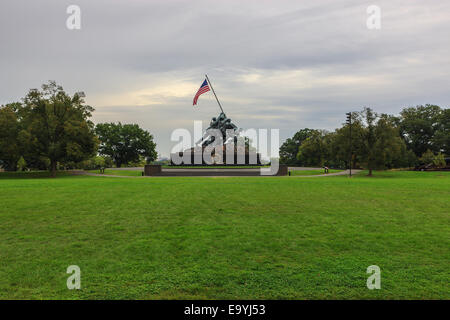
column 342, row 173
column 190, row 173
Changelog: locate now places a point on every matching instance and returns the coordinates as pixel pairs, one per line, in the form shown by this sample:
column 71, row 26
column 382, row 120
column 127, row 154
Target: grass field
column 225, row 238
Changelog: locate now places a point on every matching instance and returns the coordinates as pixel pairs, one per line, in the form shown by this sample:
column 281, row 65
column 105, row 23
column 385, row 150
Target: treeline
column 419, row 135
column 51, row 130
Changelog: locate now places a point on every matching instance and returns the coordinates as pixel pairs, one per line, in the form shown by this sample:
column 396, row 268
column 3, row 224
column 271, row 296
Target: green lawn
column 226, row 238
column 29, row 174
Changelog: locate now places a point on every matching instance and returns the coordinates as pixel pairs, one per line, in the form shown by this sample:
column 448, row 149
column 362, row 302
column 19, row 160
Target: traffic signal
column 349, row 117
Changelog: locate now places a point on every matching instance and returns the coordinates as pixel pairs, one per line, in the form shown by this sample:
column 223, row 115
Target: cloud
column 274, row 64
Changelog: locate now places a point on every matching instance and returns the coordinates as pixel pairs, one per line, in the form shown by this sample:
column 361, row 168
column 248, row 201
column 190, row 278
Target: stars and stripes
column 203, row 88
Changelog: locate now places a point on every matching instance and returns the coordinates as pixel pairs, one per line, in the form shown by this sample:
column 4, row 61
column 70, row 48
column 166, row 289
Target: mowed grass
column 226, row 238
column 30, row 175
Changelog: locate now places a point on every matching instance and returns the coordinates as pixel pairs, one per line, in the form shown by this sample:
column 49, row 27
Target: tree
column 429, row 158
column 340, row 144
column 406, row 159
column 125, row 143
column 439, row 160
column 10, row 147
column 21, row 164
column 380, row 142
column 419, row 125
column 315, row 150
column 57, row 126
column 289, row 149
column 441, row 138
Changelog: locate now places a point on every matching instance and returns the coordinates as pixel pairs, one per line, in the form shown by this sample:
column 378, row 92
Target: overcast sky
column 274, row 64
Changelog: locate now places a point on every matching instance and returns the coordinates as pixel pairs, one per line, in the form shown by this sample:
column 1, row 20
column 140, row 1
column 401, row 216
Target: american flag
column 203, row 88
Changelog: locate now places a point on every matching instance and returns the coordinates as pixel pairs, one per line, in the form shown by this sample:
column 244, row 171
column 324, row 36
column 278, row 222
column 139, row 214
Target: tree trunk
column 53, row 168
column 370, row 172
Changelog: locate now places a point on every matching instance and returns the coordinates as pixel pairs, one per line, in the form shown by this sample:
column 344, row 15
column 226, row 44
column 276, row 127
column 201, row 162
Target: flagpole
column 214, row 92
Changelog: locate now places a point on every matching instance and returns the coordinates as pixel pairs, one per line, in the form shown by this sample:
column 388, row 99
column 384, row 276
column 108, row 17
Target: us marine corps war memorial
column 222, row 150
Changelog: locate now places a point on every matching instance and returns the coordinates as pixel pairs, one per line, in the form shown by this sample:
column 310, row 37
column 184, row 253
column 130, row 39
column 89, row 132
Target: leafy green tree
column 419, row 125
column 380, row 142
column 316, row 149
column 435, row 160
column 427, row 157
column 441, row 138
column 21, row 164
column 57, row 126
column 406, row 159
column 340, row 144
column 439, row 160
column 289, row 149
column 10, row 146
column 99, row 162
column 125, row 143
column 95, row 162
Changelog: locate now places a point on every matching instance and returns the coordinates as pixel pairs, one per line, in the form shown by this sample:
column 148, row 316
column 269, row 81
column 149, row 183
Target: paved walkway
column 85, row 173
column 304, row 168
column 215, row 173
column 342, row 173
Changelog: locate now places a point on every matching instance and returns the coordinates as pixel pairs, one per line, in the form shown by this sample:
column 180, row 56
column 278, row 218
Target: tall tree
column 57, row 126
column 316, row 149
column 380, row 142
column 125, row 143
column 441, row 138
column 340, row 148
column 418, row 126
column 10, row 127
column 289, row 149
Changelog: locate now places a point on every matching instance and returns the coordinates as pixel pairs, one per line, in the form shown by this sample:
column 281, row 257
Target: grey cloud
column 311, row 61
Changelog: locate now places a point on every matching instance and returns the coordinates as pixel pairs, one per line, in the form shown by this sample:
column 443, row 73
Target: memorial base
column 152, row 170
